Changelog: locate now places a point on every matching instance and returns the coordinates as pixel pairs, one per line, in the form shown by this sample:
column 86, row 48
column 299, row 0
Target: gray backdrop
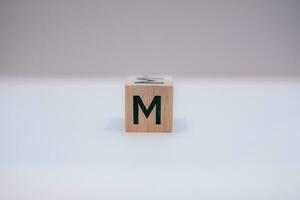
column 208, row 38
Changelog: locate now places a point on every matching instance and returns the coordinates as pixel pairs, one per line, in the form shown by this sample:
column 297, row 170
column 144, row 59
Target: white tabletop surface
column 233, row 139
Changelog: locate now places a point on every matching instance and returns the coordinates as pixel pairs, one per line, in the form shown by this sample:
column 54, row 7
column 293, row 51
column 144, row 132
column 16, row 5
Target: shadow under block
column 149, row 104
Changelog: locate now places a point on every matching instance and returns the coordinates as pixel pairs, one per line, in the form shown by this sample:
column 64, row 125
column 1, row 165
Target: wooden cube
column 149, row 104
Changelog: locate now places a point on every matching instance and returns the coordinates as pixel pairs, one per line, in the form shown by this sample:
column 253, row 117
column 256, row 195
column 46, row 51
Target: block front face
column 148, row 106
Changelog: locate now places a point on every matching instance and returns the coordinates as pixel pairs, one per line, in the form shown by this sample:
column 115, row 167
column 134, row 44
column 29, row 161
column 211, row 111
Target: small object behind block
column 149, row 104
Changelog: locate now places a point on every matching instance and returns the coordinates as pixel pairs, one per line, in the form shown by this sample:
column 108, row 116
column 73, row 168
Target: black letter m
column 138, row 101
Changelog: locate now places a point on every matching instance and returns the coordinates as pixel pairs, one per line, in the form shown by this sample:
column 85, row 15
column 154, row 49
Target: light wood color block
column 149, row 104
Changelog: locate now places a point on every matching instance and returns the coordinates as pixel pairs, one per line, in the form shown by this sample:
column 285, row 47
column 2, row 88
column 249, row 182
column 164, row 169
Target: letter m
column 147, row 111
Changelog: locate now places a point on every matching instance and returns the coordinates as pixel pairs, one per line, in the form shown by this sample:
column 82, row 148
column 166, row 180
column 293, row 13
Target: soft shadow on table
column 118, row 125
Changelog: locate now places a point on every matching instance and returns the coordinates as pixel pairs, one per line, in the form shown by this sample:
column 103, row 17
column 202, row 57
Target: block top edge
column 149, row 80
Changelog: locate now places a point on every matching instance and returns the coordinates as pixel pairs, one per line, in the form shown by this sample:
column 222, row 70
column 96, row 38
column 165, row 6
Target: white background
column 232, row 139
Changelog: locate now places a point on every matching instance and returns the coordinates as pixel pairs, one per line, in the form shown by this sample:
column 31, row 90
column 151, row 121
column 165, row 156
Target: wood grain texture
column 147, row 92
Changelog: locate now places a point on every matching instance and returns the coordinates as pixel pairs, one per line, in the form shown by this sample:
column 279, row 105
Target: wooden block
column 149, row 104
